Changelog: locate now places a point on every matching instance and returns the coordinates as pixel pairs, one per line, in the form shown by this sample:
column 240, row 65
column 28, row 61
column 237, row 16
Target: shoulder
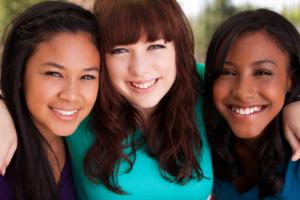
column 224, row 190
column 5, row 189
column 291, row 181
column 200, row 68
column 82, row 137
column 205, row 155
column 66, row 184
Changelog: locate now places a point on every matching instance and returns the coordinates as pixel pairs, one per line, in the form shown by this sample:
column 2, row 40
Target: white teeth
column 144, row 85
column 64, row 112
column 246, row 111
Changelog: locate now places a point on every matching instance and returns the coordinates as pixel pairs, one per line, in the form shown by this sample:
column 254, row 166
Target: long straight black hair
column 30, row 173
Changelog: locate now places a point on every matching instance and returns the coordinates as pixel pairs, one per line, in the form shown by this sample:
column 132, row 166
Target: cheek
column 90, row 94
column 117, row 77
column 219, row 91
column 172, row 73
column 35, row 91
column 275, row 90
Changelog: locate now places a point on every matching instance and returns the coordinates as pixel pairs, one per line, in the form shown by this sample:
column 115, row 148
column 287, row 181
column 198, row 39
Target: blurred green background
column 204, row 15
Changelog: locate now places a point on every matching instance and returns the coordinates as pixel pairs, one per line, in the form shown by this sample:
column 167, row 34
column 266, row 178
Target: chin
column 247, row 135
column 66, row 131
column 246, row 132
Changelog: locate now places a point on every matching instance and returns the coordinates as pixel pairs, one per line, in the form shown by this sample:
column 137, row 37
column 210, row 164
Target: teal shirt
column 144, row 181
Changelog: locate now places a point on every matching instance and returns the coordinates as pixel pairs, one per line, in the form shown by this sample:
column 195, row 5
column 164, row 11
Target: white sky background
column 193, row 7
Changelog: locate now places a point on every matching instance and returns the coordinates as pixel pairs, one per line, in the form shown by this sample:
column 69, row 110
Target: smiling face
column 142, row 72
column 61, row 83
column 251, row 90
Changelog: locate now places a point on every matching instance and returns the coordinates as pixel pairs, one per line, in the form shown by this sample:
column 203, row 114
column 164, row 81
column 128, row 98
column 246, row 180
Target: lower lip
column 65, row 117
column 144, row 90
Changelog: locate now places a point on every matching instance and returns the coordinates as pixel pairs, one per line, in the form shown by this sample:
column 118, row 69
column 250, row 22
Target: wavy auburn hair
column 170, row 135
column 272, row 151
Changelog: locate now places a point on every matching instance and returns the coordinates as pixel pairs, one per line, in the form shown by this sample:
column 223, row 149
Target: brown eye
column 119, row 51
column 54, row 74
column 263, row 73
column 88, row 77
column 228, row 73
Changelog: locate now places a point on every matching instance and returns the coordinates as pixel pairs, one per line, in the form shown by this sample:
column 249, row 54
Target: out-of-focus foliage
column 207, row 22
column 293, row 14
column 10, row 8
column 217, row 11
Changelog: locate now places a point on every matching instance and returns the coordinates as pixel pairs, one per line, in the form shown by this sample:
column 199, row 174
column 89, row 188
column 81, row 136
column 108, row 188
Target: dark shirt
column 66, row 186
column 5, row 192
column 224, row 190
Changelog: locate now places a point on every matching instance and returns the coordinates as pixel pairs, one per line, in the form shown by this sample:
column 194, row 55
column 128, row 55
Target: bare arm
column 8, row 142
column 291, row 125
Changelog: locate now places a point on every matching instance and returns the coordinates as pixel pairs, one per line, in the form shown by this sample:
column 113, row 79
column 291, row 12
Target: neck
column 146, row 113
column 248, row 162
column 251, row 143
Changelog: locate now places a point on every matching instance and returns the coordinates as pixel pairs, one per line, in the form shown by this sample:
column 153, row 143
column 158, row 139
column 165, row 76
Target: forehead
column 254, row 46
column 134, row 20
column 66, row 49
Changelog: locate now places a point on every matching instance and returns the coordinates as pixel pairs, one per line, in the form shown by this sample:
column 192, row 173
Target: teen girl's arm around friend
column 291, row 125
column 8, row 137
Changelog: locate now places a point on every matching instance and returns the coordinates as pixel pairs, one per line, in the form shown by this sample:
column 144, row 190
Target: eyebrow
column 56, row 65
column 259, row 62
column 265, row 61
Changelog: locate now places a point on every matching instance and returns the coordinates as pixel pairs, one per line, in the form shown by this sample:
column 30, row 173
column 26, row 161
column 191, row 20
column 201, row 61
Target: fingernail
column 295, row 156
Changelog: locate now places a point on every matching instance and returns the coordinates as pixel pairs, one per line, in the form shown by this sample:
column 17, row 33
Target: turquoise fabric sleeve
column 200, row 67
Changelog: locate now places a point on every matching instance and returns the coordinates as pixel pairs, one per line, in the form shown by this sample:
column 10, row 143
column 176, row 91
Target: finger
column 3, row 153
column 10, row 154
column 296, row 155
column 294, row 143
column 2, row 164
column 2, row 168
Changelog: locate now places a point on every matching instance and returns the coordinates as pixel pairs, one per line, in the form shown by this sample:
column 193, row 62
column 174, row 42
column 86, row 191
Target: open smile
column 144, row 85
column 247, row 110
column 66, row 113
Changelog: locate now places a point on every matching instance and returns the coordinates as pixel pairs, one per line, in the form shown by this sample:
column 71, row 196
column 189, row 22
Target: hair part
column 221, row 137
column 30, row 173
column 171, row 134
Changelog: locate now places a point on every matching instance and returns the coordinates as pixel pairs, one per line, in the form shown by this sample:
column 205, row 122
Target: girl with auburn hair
column 149, row 140
column 252, row 71
column 49, row 86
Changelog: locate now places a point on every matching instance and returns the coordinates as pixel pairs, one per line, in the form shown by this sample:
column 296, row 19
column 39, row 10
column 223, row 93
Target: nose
column 138, row 64
column 69, row 91
column 244, row 88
